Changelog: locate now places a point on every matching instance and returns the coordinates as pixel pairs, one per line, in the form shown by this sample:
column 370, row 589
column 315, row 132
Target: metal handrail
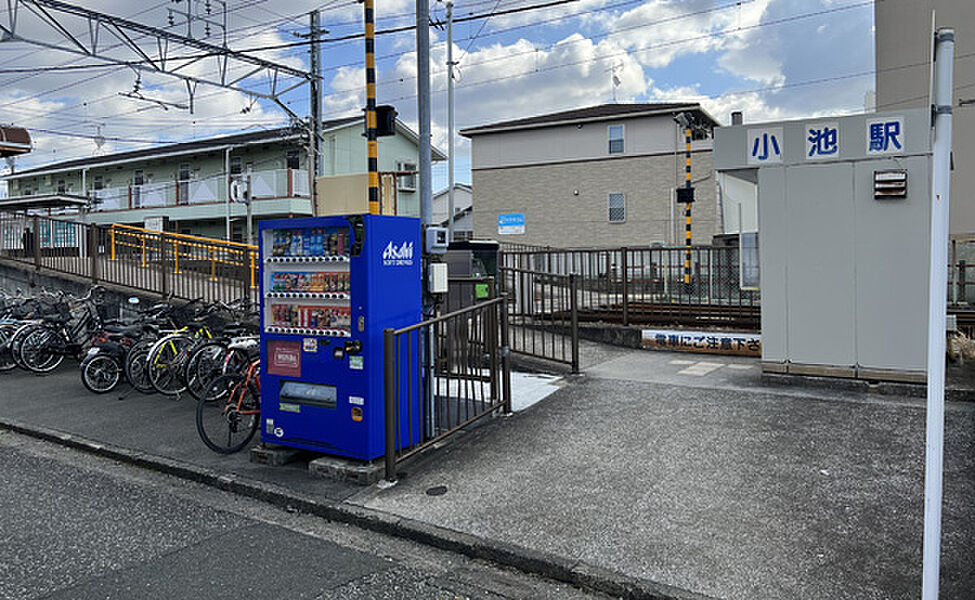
column 491, row 339
column 474, row 307
column 194, row 238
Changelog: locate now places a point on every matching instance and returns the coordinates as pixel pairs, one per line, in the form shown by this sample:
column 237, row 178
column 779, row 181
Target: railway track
column 710, row 316
column 705, row 316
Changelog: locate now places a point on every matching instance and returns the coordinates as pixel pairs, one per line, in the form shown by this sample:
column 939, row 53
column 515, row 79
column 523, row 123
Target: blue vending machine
column 329, row 286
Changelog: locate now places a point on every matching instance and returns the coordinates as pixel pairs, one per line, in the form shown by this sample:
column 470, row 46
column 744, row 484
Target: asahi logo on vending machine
column 401, row 255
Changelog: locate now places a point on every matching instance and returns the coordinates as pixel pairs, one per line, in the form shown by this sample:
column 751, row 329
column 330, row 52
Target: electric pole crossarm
column 162, row 34
column 125, row 39
column 152, row 68
column 45, row 16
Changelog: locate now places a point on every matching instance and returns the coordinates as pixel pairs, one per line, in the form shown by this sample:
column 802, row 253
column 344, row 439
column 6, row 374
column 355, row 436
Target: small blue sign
column 511, row 223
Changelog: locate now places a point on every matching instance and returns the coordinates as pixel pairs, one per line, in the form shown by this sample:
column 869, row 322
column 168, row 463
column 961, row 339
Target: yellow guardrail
column 185, row 247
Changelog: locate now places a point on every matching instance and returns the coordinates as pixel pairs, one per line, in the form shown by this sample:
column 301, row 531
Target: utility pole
column 315, row 91
column 372, row 143
column 450, row 121
column 687, row 205
column 944, row 54
column 250, row 208
column 423, row 108
column 685, row 195
column 229, row 180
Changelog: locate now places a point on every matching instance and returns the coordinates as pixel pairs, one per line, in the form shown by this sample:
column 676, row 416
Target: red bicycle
column 228, row 414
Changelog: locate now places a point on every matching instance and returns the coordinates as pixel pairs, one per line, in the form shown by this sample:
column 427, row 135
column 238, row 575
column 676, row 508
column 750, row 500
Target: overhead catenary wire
column 9, row 105
column 710, row 34
column 67, row 66
column 267, row 47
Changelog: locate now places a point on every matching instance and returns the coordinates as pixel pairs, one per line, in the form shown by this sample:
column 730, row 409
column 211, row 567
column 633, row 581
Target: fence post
column 492, row 339
column 93, row 251
column 961, row 281
column 574, row 310
column 37, row 243
column 505, row 354
column 710, row 255
column 164, row 268
column 389, row 376
column 624, row 265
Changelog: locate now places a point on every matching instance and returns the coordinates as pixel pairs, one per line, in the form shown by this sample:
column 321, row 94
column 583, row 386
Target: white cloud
column 563, row 63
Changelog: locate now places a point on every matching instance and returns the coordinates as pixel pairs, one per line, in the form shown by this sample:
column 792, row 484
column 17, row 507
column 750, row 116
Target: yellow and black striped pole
column 373, row 145
column 687, row 206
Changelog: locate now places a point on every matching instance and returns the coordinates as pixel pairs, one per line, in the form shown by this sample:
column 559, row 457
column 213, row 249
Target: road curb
column 529, row 561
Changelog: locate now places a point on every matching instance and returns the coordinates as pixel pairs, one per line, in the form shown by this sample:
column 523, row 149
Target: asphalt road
column 80, row 527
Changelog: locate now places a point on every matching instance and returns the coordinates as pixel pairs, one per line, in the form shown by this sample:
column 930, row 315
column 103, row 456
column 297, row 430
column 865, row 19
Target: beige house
column 598, row 176
column 903, row 51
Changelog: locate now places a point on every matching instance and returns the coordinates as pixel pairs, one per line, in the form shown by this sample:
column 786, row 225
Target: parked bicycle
column 229, row 413
column 103, row 366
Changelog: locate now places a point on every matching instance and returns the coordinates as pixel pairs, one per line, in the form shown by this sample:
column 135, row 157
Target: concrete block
column 274, row 456
column 347, row 470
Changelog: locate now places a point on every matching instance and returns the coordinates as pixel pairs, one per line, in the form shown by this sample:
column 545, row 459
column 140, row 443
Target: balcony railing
column 275, row 183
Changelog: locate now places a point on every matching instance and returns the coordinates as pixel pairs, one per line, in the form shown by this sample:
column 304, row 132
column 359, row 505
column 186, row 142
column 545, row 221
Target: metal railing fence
column 645, row 273
column 442, row 375
column 543, row 314
column 183, row 266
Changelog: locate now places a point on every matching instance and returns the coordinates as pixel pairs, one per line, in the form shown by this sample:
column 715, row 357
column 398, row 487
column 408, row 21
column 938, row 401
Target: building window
column 99, row 184
column 616, row 139
column 291, row 159
column 407, row 181
column 61, row 187
column 235, row 165
column 617, row 208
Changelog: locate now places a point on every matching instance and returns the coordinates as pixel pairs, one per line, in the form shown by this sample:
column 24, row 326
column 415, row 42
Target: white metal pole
column 937, row 301
column 423, row 108
column 226, row 179
column 250, row 209
column 450, row 121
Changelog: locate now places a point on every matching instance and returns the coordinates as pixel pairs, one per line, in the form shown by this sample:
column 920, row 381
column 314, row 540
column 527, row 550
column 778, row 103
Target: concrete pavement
column 674, row 468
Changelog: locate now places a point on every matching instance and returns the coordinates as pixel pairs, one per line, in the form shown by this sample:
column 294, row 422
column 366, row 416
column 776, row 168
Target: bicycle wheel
column 135, row 366
column 16, row 340
column 166, row 361
column 100, row 373
column 228, row 415
column 203, row 365
column 6, row 358
column 40, row 351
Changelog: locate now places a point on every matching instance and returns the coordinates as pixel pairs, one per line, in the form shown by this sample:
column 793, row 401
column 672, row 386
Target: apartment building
column 598, row 176
column 187, row 186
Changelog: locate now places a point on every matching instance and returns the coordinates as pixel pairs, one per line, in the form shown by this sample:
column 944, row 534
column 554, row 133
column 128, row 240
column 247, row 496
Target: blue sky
column 771, row 59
